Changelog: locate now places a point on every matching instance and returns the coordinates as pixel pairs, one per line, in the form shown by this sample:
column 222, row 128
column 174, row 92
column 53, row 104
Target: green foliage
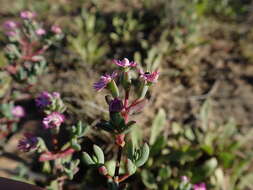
column 208, row 160
column 157, row 126
column 226, row 8
column 95, row 160
column 126, row 27
column 89, row 43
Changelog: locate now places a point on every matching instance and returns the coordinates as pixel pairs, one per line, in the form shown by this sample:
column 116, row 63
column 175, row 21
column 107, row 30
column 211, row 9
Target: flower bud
column 102, row 170
column 56, row 29
column 18, row 111
column 120, row 140
column 40, row 32
column 27, row 15
column 115, row 105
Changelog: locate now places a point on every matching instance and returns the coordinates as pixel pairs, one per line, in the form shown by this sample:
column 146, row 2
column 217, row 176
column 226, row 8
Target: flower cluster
column 53, row 106
column 53, row 120
column 10, row 115
column 49, row 148
column 28, row 41
column 120, row 109
column 49, row 102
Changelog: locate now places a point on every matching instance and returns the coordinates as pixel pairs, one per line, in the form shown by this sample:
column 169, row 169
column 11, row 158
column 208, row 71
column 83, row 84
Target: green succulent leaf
column 99, row 154
column 87, row 159
column 157, row 126
column 131, row 168
column 75, row 145
column 144, row 153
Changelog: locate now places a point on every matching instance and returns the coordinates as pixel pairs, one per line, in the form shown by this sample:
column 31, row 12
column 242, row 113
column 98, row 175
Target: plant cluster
column 28, row 42
column 55, row 150
column 10, row 115
column 183, row 151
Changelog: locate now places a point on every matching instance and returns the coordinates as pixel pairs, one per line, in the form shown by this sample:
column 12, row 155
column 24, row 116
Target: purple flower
column 18, row 111
column 40, row 32
column 53, row 120
column 28, row 143
column 104, row 80
column 10, row 25
column 201, row 186
column 43, row 100
column 149, row 77
column 115, row 105
column 125, row 63
column 56, row 95
column 27, row 15
column 56, row 29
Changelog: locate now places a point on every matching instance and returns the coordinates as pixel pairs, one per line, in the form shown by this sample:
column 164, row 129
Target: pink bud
column 27, row 15
column 18, row 111
column 40, row 32
column 120, row 140
column 102, row 170
column 56, row 29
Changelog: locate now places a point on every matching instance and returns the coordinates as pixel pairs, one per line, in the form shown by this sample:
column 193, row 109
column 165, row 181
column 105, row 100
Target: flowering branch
column 119, row 124
column 61, row 166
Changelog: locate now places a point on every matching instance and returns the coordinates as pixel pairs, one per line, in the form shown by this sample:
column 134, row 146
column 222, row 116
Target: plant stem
column 120, row 150
column 116, row 173
column 126, row 99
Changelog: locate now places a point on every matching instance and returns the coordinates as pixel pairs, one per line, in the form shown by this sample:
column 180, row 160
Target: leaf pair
column 95, row 160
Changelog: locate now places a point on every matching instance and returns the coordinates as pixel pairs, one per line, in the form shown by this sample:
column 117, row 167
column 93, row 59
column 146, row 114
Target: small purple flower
column 149, row 77
column 43, row 100
column 53, row 120
column 40, row 32
column 56, row 95
column 27, row 15
column 28, row 143
column 115, row 105
column 18, row 111
column 104, row 80
column 201, row 186
column 125, row 63
column 56, row 29
column 10, row 25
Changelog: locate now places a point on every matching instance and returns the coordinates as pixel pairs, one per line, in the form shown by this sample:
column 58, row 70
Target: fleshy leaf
column 144, row 153
column 99, row 154
column 87, row 159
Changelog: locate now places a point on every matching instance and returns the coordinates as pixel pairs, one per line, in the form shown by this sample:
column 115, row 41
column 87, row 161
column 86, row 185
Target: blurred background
column 200, row 114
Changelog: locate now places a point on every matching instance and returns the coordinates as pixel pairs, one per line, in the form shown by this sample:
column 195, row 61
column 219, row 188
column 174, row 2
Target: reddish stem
column 46, row 156
column 123, row 177
column 126, row 99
